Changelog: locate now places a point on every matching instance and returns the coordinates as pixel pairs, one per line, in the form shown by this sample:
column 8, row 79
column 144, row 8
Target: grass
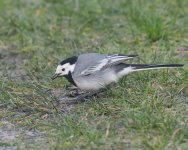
column 145, row 110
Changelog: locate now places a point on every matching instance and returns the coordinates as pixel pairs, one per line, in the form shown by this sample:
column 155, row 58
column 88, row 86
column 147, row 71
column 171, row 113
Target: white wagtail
column 93, row 71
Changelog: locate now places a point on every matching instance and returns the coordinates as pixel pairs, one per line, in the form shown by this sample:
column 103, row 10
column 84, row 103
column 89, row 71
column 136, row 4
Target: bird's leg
column 87, row 94
column 79, row 98
column 75, row 93
column 72, row 91
column 71, row 88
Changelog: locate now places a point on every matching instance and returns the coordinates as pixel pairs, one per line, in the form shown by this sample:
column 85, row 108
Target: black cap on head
column 71, row 60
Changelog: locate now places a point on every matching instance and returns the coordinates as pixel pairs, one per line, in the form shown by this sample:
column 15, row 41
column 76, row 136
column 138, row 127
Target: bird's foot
column 78, row 96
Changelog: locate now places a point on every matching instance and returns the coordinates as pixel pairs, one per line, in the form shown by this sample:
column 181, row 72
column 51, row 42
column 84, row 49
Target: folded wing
column 108, row 61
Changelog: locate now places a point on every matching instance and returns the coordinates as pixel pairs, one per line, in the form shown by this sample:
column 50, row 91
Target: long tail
column 138, row 67
column 124, row 69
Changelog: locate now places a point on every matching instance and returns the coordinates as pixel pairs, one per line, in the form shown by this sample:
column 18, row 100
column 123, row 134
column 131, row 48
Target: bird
column 95, row 71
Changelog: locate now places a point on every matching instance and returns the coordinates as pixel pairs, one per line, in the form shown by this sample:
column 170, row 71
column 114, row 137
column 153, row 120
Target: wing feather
column 108, row 61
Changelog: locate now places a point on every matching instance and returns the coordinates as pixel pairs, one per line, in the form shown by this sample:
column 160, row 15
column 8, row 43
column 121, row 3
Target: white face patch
column 64, row 69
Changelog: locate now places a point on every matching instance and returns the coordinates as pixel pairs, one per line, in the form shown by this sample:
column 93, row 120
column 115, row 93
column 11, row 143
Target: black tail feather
column 150, row 66
column 131, row 55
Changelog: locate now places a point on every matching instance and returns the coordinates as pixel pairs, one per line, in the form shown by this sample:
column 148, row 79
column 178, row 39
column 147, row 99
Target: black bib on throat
column 70, row 79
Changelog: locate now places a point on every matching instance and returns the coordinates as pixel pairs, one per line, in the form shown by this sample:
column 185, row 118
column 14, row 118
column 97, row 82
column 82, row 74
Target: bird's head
column 66, row 67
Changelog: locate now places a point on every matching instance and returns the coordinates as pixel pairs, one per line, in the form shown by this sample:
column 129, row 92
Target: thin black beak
column 55, row 76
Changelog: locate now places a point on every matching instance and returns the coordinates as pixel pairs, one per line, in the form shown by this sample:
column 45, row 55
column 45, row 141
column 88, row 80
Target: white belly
column 90, row 85
column 97, row 82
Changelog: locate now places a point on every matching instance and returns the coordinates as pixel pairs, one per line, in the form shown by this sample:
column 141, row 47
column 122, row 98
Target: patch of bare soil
column 11, row 137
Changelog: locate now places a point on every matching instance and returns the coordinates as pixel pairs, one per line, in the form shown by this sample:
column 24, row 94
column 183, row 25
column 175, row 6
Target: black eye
column 63, row 69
